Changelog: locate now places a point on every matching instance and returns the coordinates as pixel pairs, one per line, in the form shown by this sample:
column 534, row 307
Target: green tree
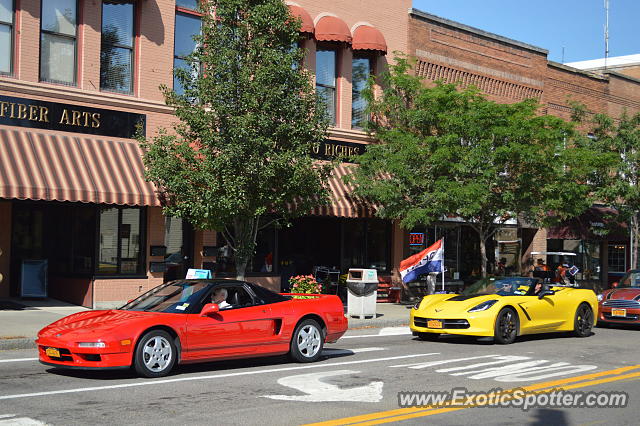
column 618, row 186
column 446, row 150
column 239, row 154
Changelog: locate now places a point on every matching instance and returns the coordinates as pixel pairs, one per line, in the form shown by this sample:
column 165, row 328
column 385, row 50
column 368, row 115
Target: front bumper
column 480, row 324
column 72, row 356
column 605, row 314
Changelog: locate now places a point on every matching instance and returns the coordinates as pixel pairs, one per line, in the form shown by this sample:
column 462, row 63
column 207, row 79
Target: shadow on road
column 214, row 367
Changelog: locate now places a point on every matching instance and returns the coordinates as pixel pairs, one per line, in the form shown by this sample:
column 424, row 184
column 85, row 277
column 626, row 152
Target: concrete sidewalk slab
column 19, row 327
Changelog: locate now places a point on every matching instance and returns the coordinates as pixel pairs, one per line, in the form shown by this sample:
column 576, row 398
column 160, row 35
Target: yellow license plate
column 619, row 312
column 434, row 324
column 52, row 352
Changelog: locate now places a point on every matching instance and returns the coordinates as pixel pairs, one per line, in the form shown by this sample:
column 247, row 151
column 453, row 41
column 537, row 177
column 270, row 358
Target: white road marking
column 18, row 359
column 213, row 376
column 442, row 361
column 394, row 331
column 318, row 391
column 11, row 419
column 516, row 368
column 391, row 331
column 331, row 351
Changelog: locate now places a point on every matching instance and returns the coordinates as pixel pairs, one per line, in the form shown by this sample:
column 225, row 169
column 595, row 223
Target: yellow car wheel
column 583, row 321
column 506, row 327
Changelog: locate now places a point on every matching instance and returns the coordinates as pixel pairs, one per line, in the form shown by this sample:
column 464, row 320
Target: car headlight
column 600, row 297
column 92, row 345
column 417, row 305
column 483, row 306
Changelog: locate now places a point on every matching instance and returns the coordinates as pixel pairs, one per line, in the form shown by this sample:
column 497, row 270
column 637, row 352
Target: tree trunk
column 634, row 240
column 245, row 239
column 483, row 255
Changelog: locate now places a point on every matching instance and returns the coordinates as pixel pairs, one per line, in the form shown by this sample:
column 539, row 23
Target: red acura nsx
column 177, row 323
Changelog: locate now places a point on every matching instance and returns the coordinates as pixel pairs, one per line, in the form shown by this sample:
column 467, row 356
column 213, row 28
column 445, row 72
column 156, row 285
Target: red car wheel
column 155, row 354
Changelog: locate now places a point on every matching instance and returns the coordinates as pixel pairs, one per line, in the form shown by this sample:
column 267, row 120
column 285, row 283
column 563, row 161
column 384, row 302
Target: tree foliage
column 450, row 151
column 618, row 139
column 239, row 154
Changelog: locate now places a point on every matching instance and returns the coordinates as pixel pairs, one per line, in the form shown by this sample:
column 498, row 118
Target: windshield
column 631, row 280
column 502, row 287
column 175, row 297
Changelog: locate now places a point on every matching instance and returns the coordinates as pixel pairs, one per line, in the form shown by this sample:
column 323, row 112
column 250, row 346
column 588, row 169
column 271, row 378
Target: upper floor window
column 188, row 23
column 326, row 76
column 361, row 69
column 116, row 54
column 58, row 34
column 6, row 36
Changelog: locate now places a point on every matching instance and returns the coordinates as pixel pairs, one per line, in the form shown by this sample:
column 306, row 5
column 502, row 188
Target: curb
column 21, row 343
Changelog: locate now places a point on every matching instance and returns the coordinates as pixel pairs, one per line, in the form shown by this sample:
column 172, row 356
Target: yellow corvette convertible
column 506, row 308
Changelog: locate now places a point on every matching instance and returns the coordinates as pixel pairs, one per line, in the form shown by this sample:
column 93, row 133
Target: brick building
column 510, row 71
column 77, row 76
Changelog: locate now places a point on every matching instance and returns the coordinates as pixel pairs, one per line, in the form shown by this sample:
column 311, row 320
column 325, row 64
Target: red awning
column 307, row 22
column 597, row 223
column 366, row 37
column 45, row 166
column 330, row 28
column 341, row 201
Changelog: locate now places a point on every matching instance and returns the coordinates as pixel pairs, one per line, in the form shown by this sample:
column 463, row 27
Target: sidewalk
column 20, row 320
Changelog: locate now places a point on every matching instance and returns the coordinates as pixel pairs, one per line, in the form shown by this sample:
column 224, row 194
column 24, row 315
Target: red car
column 621, row 304
column 176, row 323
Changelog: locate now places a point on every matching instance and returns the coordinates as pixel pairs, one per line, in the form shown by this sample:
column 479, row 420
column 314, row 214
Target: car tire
column 155, row 354
column 506, row 327
column 307, row 341
column 583, row 321
column 428, row 337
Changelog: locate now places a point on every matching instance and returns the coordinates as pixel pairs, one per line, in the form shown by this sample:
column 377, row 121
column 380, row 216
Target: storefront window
column 617, row 258
column 58, row 41
column 361, row 69
column 188, row 25
column 120, row 241
column 262, row 260
column 6, row 36
column 326, row 73
column 116, row 55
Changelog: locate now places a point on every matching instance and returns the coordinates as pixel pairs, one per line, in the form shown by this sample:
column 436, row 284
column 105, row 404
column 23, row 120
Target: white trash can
column 362, row 292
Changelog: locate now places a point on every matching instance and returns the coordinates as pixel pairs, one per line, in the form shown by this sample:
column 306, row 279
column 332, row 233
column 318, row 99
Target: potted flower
column 305, row 284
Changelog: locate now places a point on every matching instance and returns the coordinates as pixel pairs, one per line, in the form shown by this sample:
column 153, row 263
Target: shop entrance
column 63, row 234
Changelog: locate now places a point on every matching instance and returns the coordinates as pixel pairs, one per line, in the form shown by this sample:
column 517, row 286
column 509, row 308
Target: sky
column 575, row 25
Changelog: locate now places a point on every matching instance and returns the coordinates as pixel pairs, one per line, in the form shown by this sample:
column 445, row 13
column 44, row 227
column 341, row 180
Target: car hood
column 622, row 293
column 92, row 323
column 453, row 304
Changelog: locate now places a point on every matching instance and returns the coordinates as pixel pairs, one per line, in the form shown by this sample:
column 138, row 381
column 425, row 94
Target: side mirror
column 209, row 309
column 544, row 293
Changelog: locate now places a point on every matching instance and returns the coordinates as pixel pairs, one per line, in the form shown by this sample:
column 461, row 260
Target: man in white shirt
column 219, row 296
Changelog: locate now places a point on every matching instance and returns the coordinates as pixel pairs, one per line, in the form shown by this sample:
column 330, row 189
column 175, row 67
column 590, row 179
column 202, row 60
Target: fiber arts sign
column 68, row 118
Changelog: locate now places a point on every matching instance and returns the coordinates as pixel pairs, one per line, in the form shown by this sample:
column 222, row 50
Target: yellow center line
column 408, row 413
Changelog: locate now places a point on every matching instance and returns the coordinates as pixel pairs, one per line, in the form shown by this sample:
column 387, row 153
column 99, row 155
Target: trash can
column 362, row 286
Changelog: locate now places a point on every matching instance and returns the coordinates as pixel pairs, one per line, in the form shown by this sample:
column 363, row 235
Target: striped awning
column 343, row 202
column 45, row 166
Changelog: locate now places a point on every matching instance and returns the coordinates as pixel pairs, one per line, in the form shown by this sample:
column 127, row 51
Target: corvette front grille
column 620, row 303
column 447, row 323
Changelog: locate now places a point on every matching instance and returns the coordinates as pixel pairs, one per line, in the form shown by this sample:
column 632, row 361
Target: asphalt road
column 357, row 381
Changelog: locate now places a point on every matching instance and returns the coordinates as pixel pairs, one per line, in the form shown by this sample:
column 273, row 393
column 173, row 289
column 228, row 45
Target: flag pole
column 442, row 267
